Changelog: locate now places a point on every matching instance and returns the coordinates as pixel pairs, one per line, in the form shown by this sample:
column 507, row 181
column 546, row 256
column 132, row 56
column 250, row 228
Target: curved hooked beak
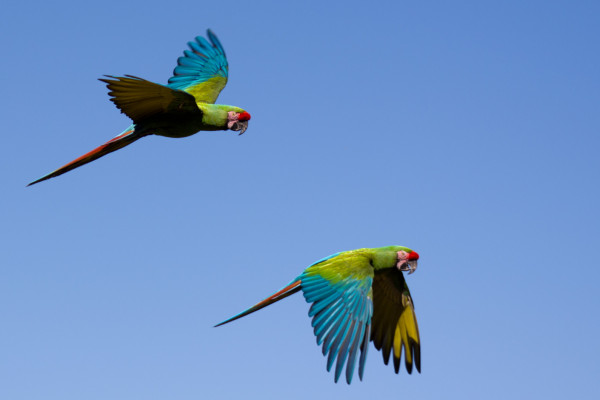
column 410, row 266
column 238, row 121
column 407, row 261
column 239, row 126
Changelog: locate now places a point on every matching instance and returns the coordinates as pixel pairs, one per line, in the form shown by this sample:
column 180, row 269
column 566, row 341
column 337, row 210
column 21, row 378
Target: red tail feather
column 282, row 294
column 114, row 144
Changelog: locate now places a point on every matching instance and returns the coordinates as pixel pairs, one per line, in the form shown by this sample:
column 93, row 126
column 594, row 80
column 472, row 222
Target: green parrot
column 359, row 296
column 179, row 109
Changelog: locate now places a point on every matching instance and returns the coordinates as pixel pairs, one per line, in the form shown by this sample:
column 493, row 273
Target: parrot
column 181, row 108
column 358, row 296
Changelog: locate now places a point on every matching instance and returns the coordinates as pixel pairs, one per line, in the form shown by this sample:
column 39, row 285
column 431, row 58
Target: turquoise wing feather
column 203, row 70
column 358, row 296
column 339, row 288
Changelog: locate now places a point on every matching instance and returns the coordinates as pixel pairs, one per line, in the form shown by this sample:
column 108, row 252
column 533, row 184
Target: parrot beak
column 407, row 261
column 412, row 266
column 239, row 126
column 238, row 121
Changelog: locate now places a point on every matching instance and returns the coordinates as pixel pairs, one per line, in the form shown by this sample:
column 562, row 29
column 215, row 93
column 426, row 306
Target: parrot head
column 407, row 261
column 238, row 121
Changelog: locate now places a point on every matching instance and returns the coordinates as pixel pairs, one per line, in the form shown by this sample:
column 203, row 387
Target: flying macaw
column 357, row 296
column 179, row 109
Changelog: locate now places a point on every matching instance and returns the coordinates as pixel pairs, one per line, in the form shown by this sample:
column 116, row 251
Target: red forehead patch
column 413, row 255
column 244, row 116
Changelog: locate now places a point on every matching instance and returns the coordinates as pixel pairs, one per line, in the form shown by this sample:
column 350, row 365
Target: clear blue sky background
column 467, row 130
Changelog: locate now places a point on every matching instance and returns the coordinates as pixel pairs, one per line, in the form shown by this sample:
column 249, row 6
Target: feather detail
column 394, row 322
column 127, row 137
column 364, row 349
column 339, row 288
column 356, row 297
column 203, row 71
column 141, row 100
column 281, row 294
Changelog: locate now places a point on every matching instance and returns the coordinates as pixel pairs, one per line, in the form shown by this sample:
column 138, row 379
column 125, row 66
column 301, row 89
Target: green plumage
column 359, row 296
column 163, row 111
column 181, row 108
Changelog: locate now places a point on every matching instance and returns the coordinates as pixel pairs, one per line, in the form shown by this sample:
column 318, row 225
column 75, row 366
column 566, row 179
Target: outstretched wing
column 140, row 99
column 394, row 321
column 203, row 70
column 340, row 289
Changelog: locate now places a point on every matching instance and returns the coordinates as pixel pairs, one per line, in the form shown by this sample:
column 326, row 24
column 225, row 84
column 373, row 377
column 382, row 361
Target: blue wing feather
column 323, row 319
column 321, row 300
column 345, row 349
column 337, row 332
column 319, row 304
column 341, row 315
column 213, row 38
column 334, row 333
column 204, row 62
column 331, row 322
column 354, row 351
column 337, row 342
column 364, row 350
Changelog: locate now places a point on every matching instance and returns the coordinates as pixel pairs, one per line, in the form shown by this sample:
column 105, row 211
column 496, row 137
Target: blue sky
column 467, row 130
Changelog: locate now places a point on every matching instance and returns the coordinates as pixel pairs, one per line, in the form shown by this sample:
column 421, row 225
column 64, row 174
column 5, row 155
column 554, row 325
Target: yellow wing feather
column 209, row 90
column 394, row 320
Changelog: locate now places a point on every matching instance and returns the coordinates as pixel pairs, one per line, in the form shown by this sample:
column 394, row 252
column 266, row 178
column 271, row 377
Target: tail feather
column 282, row 294
column 116, row 143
